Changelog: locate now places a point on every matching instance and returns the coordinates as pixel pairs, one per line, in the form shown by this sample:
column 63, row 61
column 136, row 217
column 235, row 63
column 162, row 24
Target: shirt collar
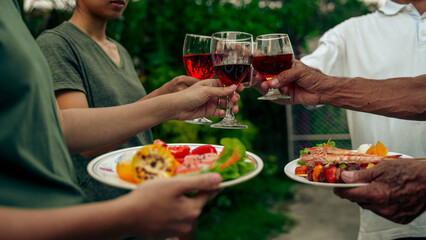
column 392, row 8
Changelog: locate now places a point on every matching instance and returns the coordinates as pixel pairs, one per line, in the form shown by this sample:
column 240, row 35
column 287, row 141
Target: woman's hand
column 161, row 208
column 177, row 84
column 202, row 100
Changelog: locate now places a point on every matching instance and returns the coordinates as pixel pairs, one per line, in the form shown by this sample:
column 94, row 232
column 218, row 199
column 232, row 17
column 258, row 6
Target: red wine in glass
column 273, row 54
column 271, row 66
column 198, row 62
column 232, row 54
column 231, row 73
column 199, row 65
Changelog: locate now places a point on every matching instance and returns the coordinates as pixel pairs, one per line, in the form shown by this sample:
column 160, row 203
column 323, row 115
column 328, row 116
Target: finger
column 240, row 88
column 235, row 98
column 211, row 82
column 202, row 197
column 197, row 183
column 221, row 102
column 286, row 76
column 358, row 194
column 221, row 91
column 265, row 85
column 358, row 176
column 189, row 81
column 235, row 108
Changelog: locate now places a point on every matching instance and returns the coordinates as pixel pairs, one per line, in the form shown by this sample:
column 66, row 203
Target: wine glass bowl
column 273, row 54
column 196, row 56
column 198, row 62
column 232, row 55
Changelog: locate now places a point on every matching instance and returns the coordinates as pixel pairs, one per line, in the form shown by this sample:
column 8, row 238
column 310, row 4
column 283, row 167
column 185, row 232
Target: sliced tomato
column 204, row 149
column 180, row 160
column 160, row 142
column 301, row 170
column 179, row 151
column 330, row 174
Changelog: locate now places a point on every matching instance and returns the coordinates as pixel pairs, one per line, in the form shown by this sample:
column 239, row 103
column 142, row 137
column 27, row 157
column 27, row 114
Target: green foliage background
column 153, row 32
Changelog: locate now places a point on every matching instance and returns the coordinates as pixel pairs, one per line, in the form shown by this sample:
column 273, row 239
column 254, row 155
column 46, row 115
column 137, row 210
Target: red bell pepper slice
column 179, row 151
column 330, row 174
column 204, row 149
column 301, row 170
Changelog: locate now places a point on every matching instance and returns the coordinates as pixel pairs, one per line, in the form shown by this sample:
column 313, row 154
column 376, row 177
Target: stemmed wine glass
column 232, row 55
column 198, row 62
column 273, row 54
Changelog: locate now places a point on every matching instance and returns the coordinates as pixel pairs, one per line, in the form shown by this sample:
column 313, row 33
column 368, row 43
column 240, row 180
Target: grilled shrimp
column 328, row 155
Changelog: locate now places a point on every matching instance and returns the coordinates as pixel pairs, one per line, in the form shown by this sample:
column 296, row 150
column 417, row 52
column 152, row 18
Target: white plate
column 103, row 168
column 291, row 166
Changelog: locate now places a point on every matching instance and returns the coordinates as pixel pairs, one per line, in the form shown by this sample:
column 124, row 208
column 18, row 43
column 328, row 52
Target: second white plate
column 291, row 166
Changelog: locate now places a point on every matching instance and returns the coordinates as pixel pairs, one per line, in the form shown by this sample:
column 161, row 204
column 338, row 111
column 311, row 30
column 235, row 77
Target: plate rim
column 120, row 183
column 288, row 167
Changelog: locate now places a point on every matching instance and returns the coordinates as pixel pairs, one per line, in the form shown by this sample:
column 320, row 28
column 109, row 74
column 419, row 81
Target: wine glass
column 198, row 63
column 232, row 55
column 273, row 54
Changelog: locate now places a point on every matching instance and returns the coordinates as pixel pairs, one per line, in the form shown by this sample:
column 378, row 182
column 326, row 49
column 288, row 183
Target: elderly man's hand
column 301, row 83
column 397, row 189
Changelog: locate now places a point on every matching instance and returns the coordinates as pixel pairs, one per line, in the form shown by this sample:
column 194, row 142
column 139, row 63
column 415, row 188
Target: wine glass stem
column 229, row 105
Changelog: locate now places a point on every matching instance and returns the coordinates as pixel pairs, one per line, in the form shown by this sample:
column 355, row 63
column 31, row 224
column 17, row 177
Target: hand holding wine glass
column 273, row 54
column 232, row 57
column 198, row 62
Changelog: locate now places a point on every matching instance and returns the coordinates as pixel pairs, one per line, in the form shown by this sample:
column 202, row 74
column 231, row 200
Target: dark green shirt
column 36, row 169
column 79, row 63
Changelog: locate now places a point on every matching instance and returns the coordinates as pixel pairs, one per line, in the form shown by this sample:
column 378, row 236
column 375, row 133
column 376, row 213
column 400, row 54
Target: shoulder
column 53, row 37
column 354, row 24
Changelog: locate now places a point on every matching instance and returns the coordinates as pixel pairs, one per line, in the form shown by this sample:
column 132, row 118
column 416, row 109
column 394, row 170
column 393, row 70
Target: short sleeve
column 63, row 62
column 329, row 57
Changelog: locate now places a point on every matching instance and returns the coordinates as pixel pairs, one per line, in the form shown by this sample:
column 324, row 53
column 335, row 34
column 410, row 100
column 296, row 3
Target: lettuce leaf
column 235, row 170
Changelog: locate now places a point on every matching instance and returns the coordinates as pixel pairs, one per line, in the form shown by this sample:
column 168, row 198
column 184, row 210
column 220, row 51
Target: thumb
column 361, row 176
column 197, row 183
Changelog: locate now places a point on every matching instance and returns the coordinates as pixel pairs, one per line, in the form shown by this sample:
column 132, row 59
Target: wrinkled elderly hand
column 397, row 189
column 301, row 83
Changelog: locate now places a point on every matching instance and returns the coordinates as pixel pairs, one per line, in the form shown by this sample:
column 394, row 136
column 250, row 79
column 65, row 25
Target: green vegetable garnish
column 342, row 165
column 330, row 143
column 301, row 163
column 304, row 151
column 230, row 164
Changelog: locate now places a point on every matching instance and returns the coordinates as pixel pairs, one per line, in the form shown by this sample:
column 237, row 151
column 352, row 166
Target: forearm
column 95, row 152
column 399, row 97
column 91, row 128
column 106, row 220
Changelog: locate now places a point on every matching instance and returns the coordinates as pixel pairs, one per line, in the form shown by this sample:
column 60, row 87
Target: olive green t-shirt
column 36, row 169
column 78, row 63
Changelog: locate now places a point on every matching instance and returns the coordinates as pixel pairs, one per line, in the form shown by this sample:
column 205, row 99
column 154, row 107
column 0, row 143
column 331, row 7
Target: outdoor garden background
column 153, row 32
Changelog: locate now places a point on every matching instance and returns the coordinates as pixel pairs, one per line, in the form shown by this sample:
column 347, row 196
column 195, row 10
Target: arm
column 76, row 99
column 158, row 208
column 397, row 97
column 91, row 128
column 397, row 189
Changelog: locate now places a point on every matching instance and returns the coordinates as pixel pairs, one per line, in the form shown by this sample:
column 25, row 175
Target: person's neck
column 420, row 5
column 94, row 27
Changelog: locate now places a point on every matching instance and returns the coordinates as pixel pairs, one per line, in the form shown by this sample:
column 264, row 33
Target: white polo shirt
column 388, row 43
